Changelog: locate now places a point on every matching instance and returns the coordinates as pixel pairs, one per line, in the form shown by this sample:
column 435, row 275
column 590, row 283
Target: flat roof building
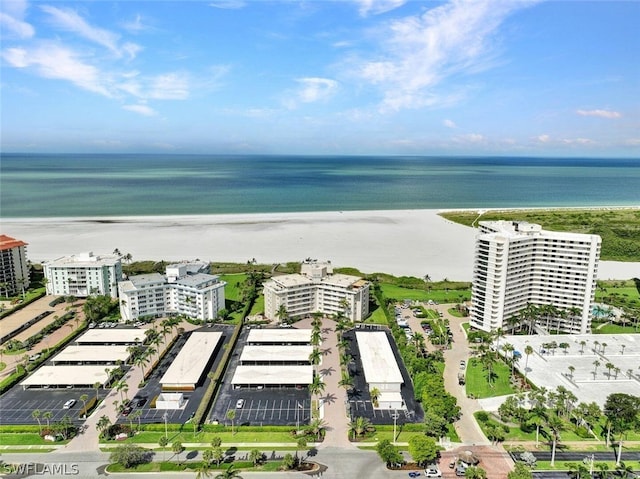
column 285, row 337
column 518, row 264
column 272, row 376
column 84, row 355
column 184, row 289
column 316, row 289
column 83, row 275
column 14, row 268
column 189, row 366
column 111, row 336
column 65, row 376
column 380, row 368
column 276, row 355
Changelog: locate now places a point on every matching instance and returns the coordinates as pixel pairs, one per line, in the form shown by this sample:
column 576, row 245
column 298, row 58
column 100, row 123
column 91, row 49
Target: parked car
column 69, row 404
column 139, row 402
column 414, row 474
column 239, row 403
column 432, row 471
column 126, row 411
column 34, row 357
column 461, row 469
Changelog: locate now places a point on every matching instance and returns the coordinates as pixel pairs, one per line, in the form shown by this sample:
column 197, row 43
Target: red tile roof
column 7, row 242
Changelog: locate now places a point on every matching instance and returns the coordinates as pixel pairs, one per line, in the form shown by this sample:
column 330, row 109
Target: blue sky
column 557, row 78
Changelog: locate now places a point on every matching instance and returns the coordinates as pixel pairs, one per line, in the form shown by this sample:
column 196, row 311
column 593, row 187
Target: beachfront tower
column 316, row 289
column 518, row 264
column 83, row 275
column 14, row 269
column 186, row 289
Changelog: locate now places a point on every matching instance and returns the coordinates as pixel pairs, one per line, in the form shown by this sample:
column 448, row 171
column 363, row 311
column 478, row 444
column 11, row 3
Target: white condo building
column 316, row 288
column 83, row 275
column 519, row 263
column 14, row 269
column 184, row 289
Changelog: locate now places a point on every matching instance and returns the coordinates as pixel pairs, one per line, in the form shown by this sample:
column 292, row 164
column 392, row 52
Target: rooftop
column 93, row 353
column 67, row 376
column 378, row 360
column 189, row 364
column 112, row 336
column 273, row 375
column 7, row 242
column 279, row 335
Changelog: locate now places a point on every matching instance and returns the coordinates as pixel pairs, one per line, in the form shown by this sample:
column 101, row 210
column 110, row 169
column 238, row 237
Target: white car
column 432, row 471
column 69, row 404
column 239, row 403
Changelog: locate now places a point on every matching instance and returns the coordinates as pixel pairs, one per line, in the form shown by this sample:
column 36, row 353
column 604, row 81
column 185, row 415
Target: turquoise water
column 132, row 185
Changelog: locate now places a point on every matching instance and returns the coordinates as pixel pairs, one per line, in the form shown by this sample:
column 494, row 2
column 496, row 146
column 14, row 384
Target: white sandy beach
column 400, row 242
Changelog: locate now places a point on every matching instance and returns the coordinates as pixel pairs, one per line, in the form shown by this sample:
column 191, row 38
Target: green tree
column 389, row 453
column 359, row 426
column 231, row 416
column 521, row 471
column 229, row 473
column 622, row 412
column 555, row 425
column 203, row 470
column 474, row 472
column 288, row 461
column 578, row 471
column 423, row 449
column 162, row 442
column 177, row 448
column 35, row 414
column 255, row 456
column 129, row 455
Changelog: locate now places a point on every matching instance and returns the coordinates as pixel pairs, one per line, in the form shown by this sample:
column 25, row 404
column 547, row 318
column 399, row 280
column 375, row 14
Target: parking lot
column 359, row 398
column 153, row 388
column 16, row 406
column 272, row 406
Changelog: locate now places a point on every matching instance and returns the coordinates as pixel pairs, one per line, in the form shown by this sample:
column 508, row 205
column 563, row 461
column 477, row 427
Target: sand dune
column 400, row 242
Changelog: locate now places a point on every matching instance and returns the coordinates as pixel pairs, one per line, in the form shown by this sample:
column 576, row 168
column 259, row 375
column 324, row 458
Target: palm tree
column 317, row 425
column 255, row 456
column 609, row 367
column 603, row 469
column 231, row 415
column 84, row 398
column 583, row 343
column 375, row 394
column 624, row 471
column 359, row 426
column 47, row 415
column 528, row 350
column 36, row 415
column 177, row 449
column 162, row 442
column 316, row 386
column 604, row 346
column 230, row 473
column 282, row 314
column 555, row 425
column 103, row 424
column 596, row 363
column 538, row 416
column 203, row 470
column 346, row 381
column 571, row 370
column 315, row 357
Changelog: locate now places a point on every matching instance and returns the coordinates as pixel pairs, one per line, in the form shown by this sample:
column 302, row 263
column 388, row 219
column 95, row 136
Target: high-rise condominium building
column 316, row 289
column 519, row 263
column 184, row 289
column 83, row 275
column 14, row 269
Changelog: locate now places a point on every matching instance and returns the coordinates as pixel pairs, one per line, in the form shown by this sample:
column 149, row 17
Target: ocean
column 80, row 185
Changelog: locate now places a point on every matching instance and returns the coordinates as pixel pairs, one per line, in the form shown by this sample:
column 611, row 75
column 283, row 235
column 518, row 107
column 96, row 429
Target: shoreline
column 399, row 242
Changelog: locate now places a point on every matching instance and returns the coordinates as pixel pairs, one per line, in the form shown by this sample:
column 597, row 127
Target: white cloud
column 314, row 89
column 141, row 109
column 608, row 114
column 544, row 138
column 378, row 6
column 69, row 20
column 449, row 124
column 422, row 51
column 228, row 4
column 60, row 63
column 170, row 86
column 16, row 26
column 577, row 141
column 135, row 26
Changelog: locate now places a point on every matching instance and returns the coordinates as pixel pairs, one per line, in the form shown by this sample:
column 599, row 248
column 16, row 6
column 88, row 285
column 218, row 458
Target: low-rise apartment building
column 316, row 289
column 83, row 275
column 184, row 289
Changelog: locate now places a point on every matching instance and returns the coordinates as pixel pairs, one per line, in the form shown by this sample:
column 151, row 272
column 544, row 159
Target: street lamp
column 165, row 416
column 394, row 415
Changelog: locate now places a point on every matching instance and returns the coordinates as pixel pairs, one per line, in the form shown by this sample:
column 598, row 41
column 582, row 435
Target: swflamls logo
column 39, row 469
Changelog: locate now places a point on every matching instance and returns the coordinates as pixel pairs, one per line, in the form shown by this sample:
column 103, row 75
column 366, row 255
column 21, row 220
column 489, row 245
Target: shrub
column 482, row 416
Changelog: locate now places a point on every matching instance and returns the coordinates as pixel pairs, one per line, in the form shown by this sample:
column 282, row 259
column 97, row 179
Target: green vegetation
column 478, row 385
column 619, row 228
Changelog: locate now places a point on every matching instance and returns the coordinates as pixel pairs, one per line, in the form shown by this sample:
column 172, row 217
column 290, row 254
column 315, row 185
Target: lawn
column 152, row 437
column 399, row 293
column 615, row 329
column 269, row 466
column 377, row 317
column 232, row 289
column 24, row 439
column 477, row 384
column 258, row 306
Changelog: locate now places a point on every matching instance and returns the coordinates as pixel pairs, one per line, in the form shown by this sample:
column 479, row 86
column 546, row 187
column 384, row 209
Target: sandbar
column 399, row 242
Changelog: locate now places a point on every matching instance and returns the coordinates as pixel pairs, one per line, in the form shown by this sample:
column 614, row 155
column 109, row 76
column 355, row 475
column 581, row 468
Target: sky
column 319, row 77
